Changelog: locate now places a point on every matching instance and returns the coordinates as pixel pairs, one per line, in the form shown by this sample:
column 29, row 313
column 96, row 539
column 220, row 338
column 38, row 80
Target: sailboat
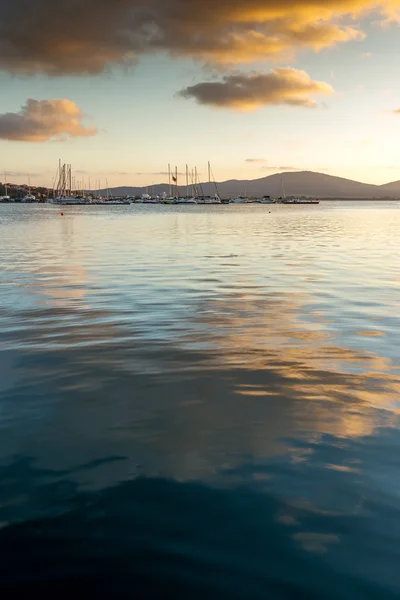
column 5, row 198
column 62, row 193
column 240, row 199
column 29, row 197
column 201, row 198
column 296, row 201
column 178, row 199
column 265, row 200
column 216, row 198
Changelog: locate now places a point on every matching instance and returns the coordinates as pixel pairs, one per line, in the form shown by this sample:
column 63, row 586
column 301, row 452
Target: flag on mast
column 174, row 179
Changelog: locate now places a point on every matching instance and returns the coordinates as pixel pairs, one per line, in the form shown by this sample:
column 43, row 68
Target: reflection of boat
column 68, row 200
column 118, row 202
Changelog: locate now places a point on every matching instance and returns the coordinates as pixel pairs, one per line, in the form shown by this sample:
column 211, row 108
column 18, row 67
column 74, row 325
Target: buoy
column 62, row 214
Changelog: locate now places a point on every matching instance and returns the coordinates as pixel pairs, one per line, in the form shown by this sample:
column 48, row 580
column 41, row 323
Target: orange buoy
column 62, row 214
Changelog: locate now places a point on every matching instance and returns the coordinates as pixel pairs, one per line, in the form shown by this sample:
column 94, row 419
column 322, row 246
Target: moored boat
column 239, row 200
column 265, row 200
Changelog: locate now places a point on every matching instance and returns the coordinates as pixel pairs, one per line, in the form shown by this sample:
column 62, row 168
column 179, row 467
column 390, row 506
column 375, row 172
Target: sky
column 120, row 89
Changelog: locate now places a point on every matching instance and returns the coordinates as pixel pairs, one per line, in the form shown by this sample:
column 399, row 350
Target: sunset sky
column 121, row 88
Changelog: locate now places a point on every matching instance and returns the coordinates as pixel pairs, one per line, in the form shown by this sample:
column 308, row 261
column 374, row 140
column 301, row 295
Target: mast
column 209, row 177
column 169, row 180
column 215, row 183
column 70, row 179
column 200, row 191
column 5, row 182
column 187, row 182
column 59, row 177
column 176, row 182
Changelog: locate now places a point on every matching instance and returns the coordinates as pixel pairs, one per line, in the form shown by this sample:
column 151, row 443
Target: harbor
column 68, row 191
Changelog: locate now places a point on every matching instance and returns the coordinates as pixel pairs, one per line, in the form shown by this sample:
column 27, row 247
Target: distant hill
column 391, row 189
column 301, row 183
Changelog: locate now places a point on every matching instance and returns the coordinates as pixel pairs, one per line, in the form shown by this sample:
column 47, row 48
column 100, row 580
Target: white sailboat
column 5, row 198
column 265, row 200
column 203, row 199
column 62, row 193
column 239, row 200
column 216, row 198
column 29, row 197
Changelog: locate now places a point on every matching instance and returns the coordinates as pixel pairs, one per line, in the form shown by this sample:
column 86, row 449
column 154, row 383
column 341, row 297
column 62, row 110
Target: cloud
column 256, row 160
column 281, row 169
column 251, row 91
column 396, row 111
column 9, row 174
column 161, row 173
column 43, row 120
column 76, row 37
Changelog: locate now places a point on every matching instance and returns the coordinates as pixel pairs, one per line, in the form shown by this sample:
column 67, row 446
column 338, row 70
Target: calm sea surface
column 200, row 402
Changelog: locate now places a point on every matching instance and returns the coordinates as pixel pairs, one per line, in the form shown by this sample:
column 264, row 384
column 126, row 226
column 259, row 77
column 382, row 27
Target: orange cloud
column 91, row 36
column 249, row 92
column 256, row 160
column 43, row 120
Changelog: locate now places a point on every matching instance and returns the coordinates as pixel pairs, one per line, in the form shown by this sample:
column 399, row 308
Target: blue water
column 200, row 402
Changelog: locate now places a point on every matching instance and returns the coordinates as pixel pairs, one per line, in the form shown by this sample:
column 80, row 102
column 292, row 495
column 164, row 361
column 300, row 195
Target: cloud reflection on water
column 231, row 384
column 226, row 351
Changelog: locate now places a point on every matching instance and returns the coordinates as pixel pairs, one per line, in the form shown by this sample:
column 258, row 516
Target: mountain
column 299, row 183
column 391, row 189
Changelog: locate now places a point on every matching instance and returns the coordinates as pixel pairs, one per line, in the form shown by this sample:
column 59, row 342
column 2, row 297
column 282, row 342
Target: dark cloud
column 75, row 37
column 251, row 91
column 43, row 120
